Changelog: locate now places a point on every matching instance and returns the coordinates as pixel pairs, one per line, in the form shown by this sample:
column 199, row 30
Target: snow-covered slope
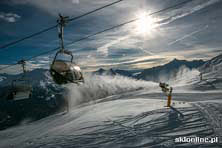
column 211, row 74
column 213, row 65
column 127, row 120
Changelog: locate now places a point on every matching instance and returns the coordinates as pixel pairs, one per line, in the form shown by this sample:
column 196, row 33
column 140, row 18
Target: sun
column 145, row 24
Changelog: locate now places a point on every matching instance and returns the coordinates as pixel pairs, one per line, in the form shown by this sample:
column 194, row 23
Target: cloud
column 187, row 35
column 146, row 60
column 173, row 15
column 186, row 10
column 121, row 47
column 53, row 7
column 9, row 17
column 75, row 1
column 105, row 48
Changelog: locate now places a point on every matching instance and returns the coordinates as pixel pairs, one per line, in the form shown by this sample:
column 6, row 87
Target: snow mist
column 97, row 87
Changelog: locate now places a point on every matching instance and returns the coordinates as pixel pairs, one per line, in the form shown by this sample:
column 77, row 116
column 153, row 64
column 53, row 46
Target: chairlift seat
column 23, row 87
column 22, row 95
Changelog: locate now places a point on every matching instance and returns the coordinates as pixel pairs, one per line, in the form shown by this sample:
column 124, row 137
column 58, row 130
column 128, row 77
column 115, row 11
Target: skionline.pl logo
column 196, row 140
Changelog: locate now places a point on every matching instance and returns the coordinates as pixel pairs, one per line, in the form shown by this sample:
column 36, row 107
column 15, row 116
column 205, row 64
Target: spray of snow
column 185, row 76
column 97, row 87
column 182, row 77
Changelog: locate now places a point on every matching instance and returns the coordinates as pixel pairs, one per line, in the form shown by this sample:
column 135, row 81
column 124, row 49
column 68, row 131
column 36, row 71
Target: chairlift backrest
column 61, row 66
column 63, row 52
column 21, row 85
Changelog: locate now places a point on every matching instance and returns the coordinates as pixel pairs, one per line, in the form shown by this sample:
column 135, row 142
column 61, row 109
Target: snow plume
column 184, row 76
column 97, row 87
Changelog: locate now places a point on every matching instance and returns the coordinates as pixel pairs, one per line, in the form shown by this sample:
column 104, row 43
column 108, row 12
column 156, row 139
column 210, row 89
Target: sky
column 191, row 31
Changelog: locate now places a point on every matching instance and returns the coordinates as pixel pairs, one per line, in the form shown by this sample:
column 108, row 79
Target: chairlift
column 65, row 71
column 20, row 88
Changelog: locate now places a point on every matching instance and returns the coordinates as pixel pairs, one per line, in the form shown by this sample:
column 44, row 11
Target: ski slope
column 132, row 119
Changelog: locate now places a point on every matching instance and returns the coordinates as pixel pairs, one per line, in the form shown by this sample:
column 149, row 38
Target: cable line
column 75, row 18
column 52, row 27
column 105, row 30
column 27, row 37
column 30, row 58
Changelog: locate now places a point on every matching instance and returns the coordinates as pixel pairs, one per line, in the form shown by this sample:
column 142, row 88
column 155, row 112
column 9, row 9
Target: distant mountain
column 102, row 71
column 179, row 72
column 113, row 72
column 155, row 74
column 164, row 72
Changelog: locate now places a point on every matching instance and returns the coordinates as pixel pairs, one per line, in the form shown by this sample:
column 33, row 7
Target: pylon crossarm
column 22, row 62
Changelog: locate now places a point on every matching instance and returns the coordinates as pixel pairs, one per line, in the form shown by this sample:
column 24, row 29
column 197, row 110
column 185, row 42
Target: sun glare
column 145, row 25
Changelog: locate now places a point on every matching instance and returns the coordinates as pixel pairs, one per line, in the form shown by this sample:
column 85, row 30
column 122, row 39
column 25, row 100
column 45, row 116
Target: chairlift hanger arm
column 62, row 21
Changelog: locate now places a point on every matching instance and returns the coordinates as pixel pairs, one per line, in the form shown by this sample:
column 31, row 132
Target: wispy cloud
column 105, row 48
column 9, row 17
column 146, row 60
column 187, row 35
column 186, row 10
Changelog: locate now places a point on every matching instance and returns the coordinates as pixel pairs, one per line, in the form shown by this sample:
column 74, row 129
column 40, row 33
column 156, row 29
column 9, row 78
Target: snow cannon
column 168, row 91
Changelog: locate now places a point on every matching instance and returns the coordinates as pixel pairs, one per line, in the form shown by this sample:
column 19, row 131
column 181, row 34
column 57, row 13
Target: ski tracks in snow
column 213, row 114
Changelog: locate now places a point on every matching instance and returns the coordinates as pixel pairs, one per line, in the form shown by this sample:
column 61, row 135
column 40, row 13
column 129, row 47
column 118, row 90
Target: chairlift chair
column 21, row 88
column 64, row 72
